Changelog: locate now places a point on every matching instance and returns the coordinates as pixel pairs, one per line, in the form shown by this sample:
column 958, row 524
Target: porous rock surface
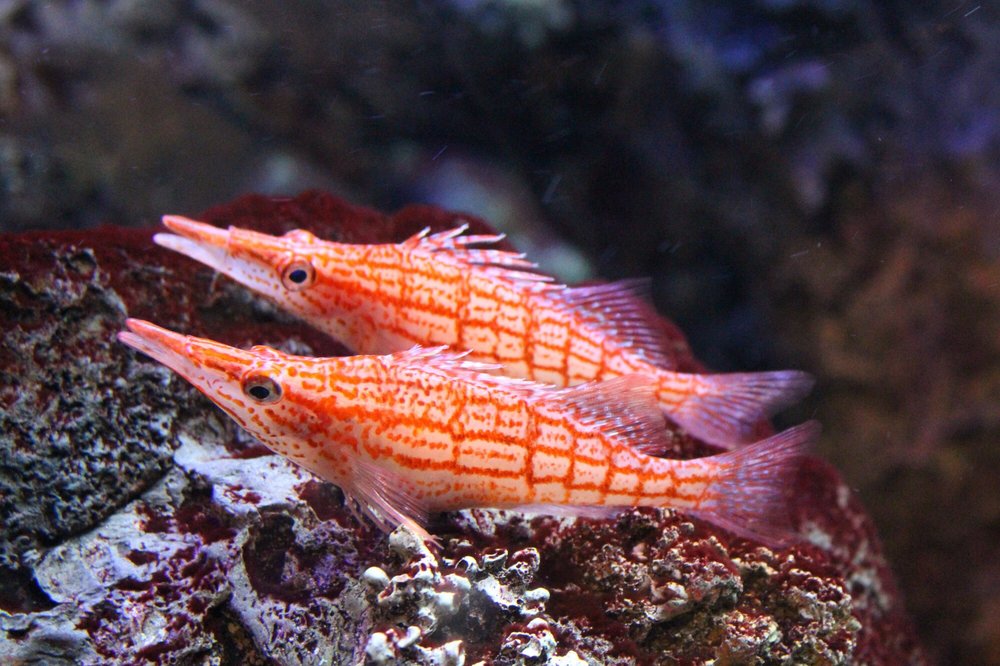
column 140, row 526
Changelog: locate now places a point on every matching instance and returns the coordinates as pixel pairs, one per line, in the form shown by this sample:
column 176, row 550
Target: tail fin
column 750, row 497
column 723, row 409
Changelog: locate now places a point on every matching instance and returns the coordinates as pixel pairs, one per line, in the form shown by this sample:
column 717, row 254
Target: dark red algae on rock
column 141, row 527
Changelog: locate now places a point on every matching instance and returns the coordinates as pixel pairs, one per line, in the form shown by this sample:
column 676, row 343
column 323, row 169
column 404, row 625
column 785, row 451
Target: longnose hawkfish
column 426, row 430
column 440, row 290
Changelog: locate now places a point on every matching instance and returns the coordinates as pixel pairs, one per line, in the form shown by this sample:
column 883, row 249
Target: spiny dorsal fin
column 502, row 264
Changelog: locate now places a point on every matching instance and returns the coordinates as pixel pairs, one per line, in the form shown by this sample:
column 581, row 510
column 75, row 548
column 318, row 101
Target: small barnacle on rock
column 419, row 594
column 670, row 599
column 468, row 564
column 376, row 578
column 532, row 645
column 378, row 649
column 535, row 644
column 384, row 646
column 536, row 597
column 402, row 647
column 493, row 559
column 503, row 581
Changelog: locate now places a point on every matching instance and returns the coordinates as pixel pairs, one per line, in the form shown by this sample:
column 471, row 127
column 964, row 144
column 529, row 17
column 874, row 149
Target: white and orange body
column 425, row 430
column 441, row 290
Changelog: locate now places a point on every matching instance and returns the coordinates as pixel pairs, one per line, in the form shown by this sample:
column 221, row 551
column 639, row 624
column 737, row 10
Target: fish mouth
column 167, row 347
column 199, row 241
column 206, row 364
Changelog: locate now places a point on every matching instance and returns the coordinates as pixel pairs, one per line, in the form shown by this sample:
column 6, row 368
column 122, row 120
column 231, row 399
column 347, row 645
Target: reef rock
column 140, row 526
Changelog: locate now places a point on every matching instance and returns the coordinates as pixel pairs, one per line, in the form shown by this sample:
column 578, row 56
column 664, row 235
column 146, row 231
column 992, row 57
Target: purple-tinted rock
column 74, row 443
column 170, row 536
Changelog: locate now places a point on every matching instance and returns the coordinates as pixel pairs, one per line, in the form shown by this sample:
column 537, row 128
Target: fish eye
column 262, row 389
column 298, row 274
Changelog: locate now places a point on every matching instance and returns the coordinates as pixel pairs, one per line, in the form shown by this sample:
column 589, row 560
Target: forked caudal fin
column 751, row 495
column 723, row 409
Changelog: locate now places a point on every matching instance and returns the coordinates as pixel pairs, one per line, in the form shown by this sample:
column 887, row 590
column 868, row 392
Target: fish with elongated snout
column 427, row 430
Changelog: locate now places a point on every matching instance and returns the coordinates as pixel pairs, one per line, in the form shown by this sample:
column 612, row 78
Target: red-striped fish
column 442, row 290
column 426, row 430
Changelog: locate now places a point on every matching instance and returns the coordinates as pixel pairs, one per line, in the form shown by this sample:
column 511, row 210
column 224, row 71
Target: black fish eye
column 262, row 389
column 298, row 274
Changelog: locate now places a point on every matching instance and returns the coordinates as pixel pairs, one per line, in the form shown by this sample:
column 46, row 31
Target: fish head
column 299, row 272
column 276, row 397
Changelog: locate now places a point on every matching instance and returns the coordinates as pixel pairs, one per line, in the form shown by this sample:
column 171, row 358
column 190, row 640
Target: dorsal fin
column 622, row 310
column 442, row 359
column 502, row 264
column 623, row 407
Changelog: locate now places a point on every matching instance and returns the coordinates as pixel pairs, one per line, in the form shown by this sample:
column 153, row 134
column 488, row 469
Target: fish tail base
column 752, row 495
column 723, row 409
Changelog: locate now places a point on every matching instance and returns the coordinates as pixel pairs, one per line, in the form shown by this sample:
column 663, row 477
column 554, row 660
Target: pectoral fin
column 387, row 500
